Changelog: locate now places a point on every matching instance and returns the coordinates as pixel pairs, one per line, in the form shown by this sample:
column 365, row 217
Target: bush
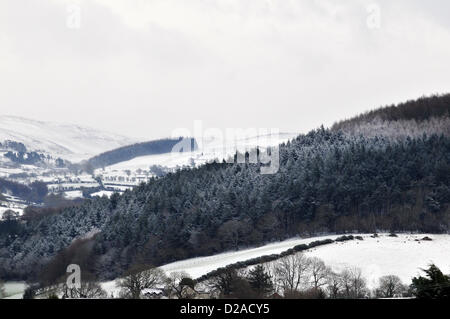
column 435, row 285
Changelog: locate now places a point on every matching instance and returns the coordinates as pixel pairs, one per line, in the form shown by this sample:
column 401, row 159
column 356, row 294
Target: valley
column 63, row 163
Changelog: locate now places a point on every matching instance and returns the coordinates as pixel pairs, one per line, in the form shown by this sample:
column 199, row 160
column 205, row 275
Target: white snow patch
column 102, row 193
column 14, row 289
column 197, row 267
column 73, row 194
column 402, row 256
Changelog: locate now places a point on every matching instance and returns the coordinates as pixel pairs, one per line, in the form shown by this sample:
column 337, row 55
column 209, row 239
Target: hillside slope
column 70, row 142
column 426, row 115
column 402, row 256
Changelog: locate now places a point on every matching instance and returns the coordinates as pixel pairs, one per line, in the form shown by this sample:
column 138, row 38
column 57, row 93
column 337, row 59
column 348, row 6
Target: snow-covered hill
column 138, row 169
column 67, row 141
column 403, row 256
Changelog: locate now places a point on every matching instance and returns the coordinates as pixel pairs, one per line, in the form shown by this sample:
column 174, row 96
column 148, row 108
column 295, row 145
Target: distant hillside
column 129, row 152
column 426, row 115
column 69, row 142
column 35, row 192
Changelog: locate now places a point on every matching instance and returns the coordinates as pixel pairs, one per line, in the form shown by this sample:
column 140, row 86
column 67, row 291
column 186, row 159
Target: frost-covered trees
column 231, row 233
column 427, row 115
column 138, row 278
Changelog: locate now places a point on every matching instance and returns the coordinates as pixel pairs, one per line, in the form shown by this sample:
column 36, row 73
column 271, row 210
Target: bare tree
column 140, row 277
column 291, row 271
column 319, row 272
column 334, row 285
column 180, row 285
column 87, row 290
column 353, row 284
column 390, row 286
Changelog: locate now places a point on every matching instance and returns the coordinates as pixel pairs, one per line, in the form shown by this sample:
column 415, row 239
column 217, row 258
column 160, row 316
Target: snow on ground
column 102, row 193
column 138, row 169
column 68, row 185
column 73, row 194
column 71, row 142
column 11, row 203
column 111, row 288
column 170, row 160
column 4, row 209
column 6, row 171
column 14, row 289
column 197, row 267
column 118, row 188
column 402, row 256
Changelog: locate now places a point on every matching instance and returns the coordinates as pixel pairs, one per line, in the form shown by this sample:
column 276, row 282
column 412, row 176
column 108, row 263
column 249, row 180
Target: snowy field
column 14, row 289
column 11, row 203
column 197, row 267
column 402, row 256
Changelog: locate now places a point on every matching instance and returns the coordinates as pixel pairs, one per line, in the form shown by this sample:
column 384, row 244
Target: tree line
column 291, row 277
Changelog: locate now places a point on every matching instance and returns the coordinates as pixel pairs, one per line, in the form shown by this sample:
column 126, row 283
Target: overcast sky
column 146, row 67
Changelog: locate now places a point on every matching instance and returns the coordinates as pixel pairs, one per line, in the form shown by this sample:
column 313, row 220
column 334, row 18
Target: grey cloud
column 287, row 64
